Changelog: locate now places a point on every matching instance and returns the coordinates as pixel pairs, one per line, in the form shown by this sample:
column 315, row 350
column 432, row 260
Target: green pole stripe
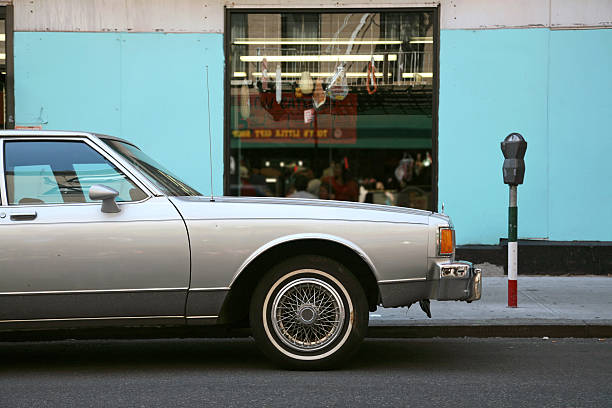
column 512, row 223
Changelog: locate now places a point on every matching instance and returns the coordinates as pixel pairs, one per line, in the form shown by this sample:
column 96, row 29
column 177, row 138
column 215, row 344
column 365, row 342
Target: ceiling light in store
column 2, row 37
column 421, row 40
column 316, row 74
column 415, row 74
column 240, row 74
column 316, row 58
column 2, row 56
column 310, row 41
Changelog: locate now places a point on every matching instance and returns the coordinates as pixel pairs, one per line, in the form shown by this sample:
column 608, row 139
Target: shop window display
column 332, row 106
column 3, row 116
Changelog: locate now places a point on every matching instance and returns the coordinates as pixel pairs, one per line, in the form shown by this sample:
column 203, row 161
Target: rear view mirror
column 107, row 195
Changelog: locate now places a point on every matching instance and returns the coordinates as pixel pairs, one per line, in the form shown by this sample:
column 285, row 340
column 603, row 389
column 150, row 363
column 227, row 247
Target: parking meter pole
column 512, row 248
column 513, row 147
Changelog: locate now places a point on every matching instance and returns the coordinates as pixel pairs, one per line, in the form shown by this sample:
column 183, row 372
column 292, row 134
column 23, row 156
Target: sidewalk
column 547, row 306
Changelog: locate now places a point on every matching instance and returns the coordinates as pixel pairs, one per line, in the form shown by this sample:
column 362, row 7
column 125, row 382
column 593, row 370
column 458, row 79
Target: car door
column 64, row 260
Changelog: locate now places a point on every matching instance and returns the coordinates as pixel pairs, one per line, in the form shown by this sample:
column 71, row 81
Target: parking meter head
column 514, row 147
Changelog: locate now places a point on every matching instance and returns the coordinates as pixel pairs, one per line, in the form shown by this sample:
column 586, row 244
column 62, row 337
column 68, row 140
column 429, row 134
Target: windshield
column 156, row 173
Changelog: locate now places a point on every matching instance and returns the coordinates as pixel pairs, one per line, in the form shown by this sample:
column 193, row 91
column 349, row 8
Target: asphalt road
column 220, row 372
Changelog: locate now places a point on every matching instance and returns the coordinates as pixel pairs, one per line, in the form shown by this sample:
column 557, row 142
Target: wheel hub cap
column 307, row 314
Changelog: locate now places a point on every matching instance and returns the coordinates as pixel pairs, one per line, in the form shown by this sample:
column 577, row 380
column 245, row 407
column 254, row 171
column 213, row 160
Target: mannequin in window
column 341, row 185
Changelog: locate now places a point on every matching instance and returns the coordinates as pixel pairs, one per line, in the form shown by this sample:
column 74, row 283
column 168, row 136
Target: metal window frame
column 7, row 13
column 435, row 85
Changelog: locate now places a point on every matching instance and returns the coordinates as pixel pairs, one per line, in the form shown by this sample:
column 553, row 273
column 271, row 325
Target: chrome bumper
column 458, row 281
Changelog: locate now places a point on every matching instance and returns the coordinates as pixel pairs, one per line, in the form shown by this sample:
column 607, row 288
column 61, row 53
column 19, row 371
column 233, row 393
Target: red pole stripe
column 512, row 291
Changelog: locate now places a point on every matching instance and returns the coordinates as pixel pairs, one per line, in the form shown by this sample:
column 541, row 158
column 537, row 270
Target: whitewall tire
column 309, row 312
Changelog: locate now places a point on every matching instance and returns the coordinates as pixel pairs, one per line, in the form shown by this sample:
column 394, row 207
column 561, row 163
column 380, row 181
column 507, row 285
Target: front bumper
column 458, row 281
column 448, row 281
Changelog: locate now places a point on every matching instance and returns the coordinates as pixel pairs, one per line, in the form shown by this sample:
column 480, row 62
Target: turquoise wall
column 554, row 88
column 580, row 128
column 147, row 88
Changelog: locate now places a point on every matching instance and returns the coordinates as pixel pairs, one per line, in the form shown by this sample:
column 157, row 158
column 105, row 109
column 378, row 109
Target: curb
column 378, row 331
column 545, row 330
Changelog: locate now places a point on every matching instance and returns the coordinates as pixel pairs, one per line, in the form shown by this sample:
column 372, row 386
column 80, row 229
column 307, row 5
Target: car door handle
column 23, row 216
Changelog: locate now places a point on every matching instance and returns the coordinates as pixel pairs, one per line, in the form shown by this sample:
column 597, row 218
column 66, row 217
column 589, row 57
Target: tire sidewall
column 351, row 294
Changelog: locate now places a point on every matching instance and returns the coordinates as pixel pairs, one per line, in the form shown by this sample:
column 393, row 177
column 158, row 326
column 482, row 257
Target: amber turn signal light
column 446, row 241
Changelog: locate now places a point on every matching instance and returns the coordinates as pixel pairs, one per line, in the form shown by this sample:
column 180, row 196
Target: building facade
column 423, row 94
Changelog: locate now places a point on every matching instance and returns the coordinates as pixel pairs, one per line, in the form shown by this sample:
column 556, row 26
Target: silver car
column 93, row 232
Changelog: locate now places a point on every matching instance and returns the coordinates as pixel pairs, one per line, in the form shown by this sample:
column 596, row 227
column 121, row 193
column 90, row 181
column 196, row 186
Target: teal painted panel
column 492, row 83
column 580, row 206
column 68, row 81
column 164, row 101
column 147, row 88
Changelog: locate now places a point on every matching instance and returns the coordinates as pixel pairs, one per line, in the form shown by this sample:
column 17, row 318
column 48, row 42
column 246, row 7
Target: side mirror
column 107, row 195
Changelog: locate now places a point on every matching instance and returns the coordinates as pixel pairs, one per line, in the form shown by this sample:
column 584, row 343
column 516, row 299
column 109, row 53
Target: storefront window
column 332, row 106
column 3, row 78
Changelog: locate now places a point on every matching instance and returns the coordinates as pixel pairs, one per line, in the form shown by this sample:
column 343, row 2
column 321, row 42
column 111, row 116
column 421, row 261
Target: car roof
column 64, row 133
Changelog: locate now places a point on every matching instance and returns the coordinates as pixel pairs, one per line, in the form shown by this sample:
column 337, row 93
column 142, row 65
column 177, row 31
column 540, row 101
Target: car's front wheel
column 309, row 312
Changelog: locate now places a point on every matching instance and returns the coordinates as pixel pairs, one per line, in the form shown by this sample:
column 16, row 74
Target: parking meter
column 514, row 147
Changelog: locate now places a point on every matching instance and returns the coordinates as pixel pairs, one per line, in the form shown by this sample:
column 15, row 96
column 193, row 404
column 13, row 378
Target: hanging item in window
column 298, row 91
column 245, row 102
column 371, row 84
column 309, row 115
column 305, row 83
column 404, row 170
column 279, row 84
column 338, row 85
column 264, row 74
column 319, row 96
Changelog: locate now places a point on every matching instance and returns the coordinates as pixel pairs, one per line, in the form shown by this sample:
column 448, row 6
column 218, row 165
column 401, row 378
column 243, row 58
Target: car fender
column 295, row 237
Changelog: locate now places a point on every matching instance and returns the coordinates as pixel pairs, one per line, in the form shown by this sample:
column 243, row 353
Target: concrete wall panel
column 147, row 88
column 479, row 14
column 206, row 16
column 584, row 13
column 201, row 16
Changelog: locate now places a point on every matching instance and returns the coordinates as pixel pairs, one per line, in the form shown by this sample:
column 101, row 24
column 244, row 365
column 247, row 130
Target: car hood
column 296, row 208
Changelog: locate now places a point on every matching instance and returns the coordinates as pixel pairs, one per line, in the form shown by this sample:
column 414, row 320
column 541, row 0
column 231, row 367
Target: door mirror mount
column 107, row 195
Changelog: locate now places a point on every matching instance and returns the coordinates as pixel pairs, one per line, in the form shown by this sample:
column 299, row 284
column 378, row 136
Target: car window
column 52, row 172
column 36, row 182
column 166, row 181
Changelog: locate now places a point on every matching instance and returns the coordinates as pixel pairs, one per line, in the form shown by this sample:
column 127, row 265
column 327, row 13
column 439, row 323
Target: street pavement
column 464, row 372
column 575, row 306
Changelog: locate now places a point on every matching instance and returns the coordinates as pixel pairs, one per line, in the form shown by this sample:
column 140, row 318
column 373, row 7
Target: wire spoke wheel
column 307, row 314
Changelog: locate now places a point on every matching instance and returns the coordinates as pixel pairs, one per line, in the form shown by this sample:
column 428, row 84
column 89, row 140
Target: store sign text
column 271, row 122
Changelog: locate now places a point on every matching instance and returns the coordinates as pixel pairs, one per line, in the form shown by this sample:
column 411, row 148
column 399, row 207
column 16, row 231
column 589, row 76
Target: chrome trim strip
column 384, row 282
column 86, row 291
column 202, row 317
column 92, row 318
column 208, row 289
column 322, row 203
